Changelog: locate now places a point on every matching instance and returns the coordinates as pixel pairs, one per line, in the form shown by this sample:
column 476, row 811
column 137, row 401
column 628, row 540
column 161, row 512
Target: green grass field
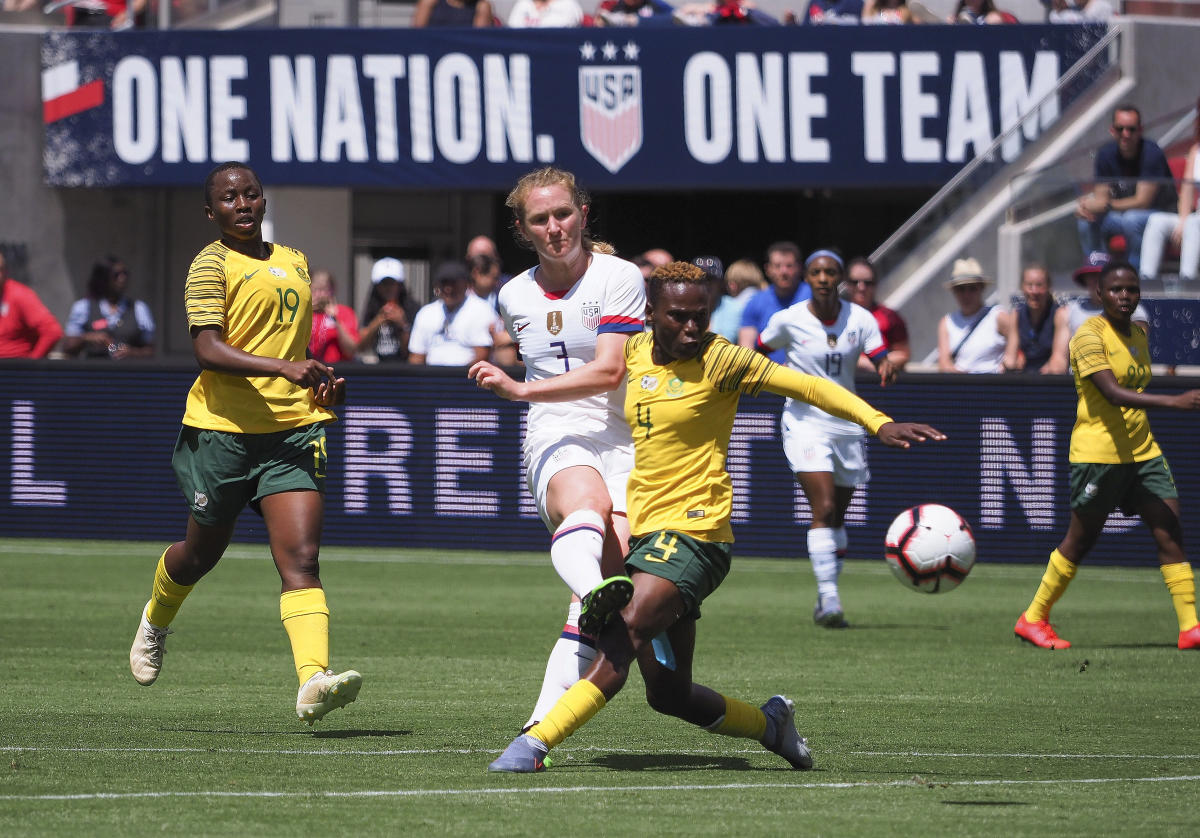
column 926, row 718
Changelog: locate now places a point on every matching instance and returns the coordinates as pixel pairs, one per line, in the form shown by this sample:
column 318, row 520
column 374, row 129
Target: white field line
column 331, row 752
column 913, row 783
column 747, row 564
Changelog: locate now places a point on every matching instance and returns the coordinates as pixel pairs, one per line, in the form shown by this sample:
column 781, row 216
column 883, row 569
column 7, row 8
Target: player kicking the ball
column 570, row 317
column 682, row 393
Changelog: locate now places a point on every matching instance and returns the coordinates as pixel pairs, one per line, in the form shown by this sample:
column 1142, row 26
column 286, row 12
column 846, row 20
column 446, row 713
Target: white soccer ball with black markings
column 930, row 548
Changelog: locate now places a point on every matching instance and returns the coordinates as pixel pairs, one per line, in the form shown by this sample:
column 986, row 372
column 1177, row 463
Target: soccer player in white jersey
column 824, row 336
column 570, row 316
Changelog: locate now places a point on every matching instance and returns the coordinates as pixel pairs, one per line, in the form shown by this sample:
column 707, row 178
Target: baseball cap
column 711, row 265
column 451, row 272
column 1095, row 263
column 387, row 268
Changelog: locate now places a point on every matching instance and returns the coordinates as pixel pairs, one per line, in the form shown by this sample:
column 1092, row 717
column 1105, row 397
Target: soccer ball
column 930, row 548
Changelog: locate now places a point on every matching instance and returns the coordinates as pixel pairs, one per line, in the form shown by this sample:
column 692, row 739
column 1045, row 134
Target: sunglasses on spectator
column 1127, row 129
column 853, row 281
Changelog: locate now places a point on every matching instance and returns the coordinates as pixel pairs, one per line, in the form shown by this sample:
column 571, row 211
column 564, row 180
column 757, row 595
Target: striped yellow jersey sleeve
column 205, row 291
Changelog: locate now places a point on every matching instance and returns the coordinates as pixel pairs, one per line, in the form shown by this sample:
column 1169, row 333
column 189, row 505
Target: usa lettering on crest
column 590, row 313
column 554, row 322
column 610, row 113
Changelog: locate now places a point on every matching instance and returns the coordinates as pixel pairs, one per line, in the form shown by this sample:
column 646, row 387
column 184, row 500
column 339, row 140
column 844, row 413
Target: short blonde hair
column 743, row 274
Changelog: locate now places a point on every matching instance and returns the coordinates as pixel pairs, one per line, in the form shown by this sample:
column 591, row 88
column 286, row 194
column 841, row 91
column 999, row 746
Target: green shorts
column 1108, row 486
column 220, row 472
column 696, row 567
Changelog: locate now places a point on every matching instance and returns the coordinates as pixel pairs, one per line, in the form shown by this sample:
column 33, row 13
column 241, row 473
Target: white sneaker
column 146, row 654
column 326, row 691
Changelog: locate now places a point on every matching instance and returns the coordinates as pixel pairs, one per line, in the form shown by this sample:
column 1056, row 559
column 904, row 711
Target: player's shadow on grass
column 669, row 762
column 356, row 734
column 307, row 732
column 897, row 627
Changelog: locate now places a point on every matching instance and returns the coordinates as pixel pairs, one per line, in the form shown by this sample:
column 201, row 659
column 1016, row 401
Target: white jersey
column 556, row 332
column 980, row 350
column 826, row 350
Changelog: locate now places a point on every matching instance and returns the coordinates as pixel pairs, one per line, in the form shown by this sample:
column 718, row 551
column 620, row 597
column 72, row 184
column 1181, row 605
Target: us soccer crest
column 590, row 313
column 610, row 105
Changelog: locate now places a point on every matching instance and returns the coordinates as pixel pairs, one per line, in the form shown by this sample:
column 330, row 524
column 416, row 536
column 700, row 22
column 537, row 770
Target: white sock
column 571, row 656
column 822, row 552
column 575, row 550
column 841, row 540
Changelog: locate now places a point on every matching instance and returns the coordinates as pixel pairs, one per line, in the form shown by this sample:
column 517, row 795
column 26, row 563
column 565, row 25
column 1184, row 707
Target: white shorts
column 811, row 449
column 548, row 454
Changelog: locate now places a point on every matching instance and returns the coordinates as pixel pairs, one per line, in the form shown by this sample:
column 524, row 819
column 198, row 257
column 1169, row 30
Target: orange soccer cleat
column 1042, row 634
column 1190, row 639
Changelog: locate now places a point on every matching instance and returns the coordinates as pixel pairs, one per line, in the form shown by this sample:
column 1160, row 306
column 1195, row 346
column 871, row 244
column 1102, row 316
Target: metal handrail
column 989, row 153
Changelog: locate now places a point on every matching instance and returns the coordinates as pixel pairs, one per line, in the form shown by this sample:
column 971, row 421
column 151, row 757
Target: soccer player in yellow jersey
column 1115, row 461
column 682, row 392
column 253, row 432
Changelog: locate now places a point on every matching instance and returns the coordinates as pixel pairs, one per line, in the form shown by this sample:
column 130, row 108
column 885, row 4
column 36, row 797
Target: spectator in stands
column 783, row 271
column 1133, row 179
column 831, row 11
column 634, row 13
column 545, row 14
column 477, row 13
column 454, row 330
column 485, row 278
column 334, row 332
column 861, row 282
column 1068, row 11
column 103, row 14
column 743, row 280
column 484, row 246
column 1182, row 227
column 721, row 12
column 979, row 12
column 1038, row 320
column 886, row 12
column 657, row 257
column 976, row 338
column 107, row 323
column 27, row 328
column 388, row 316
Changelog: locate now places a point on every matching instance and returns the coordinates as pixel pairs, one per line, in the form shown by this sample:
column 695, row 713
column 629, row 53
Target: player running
column 682, row 391
column 253, row 432
column 824, row 337
column 570, row 317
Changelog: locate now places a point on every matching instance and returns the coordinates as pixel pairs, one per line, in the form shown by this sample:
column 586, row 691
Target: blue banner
column 724, row 107
column 422, row 458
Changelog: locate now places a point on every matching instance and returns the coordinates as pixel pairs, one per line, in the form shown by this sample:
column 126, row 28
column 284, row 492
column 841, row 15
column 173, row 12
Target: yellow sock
column 306, row 618
column 166, row 596
column 1059, row 572
column 742, row 720
column 578, row 704
column 1182, row 586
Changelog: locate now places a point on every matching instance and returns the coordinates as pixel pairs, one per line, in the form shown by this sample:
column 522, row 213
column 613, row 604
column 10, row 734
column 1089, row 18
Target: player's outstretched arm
column 903, row 434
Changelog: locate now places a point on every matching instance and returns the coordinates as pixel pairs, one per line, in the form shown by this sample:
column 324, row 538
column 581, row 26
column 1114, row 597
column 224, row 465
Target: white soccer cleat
column 326, row 691
column 146, row 654
column 781, row 713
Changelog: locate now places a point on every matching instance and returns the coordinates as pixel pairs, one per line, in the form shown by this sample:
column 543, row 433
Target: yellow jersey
column 263, row 307
column 682, row 415
column 1104, row 432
